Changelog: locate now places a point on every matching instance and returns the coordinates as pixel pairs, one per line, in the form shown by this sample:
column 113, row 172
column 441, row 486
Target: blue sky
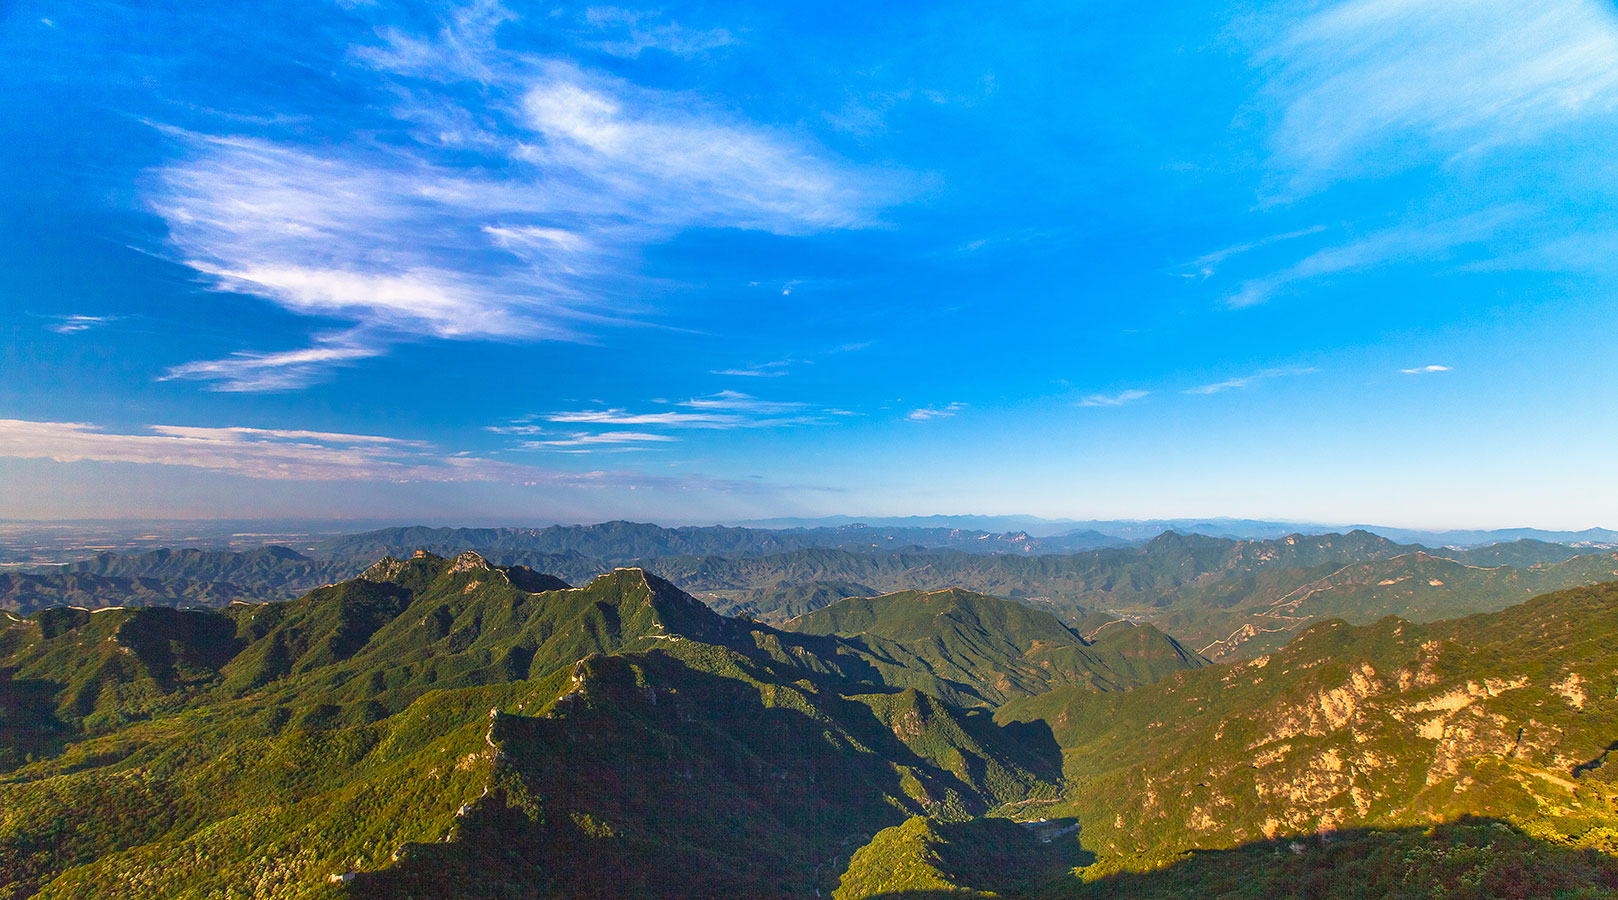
column 489, row 263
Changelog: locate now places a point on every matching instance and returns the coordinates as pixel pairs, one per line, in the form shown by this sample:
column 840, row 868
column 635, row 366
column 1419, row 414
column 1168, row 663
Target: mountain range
column 1221, row 597
column 356, row 727
column 1138, row 530
column 448, row 727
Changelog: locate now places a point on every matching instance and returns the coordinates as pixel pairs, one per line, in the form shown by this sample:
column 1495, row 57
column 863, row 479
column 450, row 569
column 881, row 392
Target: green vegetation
column 257, row 750
column 1471, row 859
column 969, row 648
column 619, row 543
column 1220, row 597
column 787, row 600
column 171, row 578
column 1223, row 598
column 444, row 727
column 1507, row 714
column 1249, row 617
column 26, row 593
column 980, row 858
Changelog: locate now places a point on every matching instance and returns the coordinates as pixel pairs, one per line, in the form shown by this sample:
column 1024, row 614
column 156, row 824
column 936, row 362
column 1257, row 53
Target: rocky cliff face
column 1389, row 724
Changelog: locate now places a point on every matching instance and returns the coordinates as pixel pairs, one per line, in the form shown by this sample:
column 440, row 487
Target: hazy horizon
column 986, row 521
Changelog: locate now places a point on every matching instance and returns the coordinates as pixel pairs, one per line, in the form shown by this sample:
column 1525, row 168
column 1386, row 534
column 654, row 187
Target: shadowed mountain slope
column 352, row 729
column 1471, row 859
column 980, row 858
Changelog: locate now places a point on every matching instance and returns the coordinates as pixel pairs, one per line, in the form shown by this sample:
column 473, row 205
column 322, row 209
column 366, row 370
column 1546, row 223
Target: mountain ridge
column 375, row 686
column 981, row 649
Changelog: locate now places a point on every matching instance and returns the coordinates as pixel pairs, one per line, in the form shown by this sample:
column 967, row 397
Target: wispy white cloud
column 606, row 441
column 1405, row 243
column 1588, row 249
column 721, row 411
column 675, row 163
column 1368, row 88
column 1425, row 370
column 578, row 171
column 290, row 369
column 1245, row 381
column 619, row 416
column 740, row 402
column 927, row 413
column 1390, row 80
column 242, row 434
column 462, row 48
column 762, row 370
column 1119, row 399
column 304, row 455
column 1204, row 266
column 76, row 323
column 252, row 452
column 628, row 33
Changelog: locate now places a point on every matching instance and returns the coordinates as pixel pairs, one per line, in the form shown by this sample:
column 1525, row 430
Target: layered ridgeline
column 1104, row 579
column 1222, row 597
column 562, row 741
column 1251, row 615
column 576, row 552
column 24, row 592
column 188, row 577
column 622, row 542
column 969, row 648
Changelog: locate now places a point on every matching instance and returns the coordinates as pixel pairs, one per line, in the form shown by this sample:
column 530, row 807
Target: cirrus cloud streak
column 507, row 196
column 304, row 455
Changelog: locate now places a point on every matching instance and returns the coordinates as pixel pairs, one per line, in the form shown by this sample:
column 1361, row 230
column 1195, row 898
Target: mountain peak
column 469, row 561
column 387, row 568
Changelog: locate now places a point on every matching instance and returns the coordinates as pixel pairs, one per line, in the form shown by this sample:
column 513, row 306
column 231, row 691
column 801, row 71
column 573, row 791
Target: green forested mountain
column 1470, row 859
column 1521, row 553
column 567, row 740
column 1253, row 615
column 983, row 857
column 188, row 577
column 24, row 593
column 969, row 648
column 443, row 728
column 1508, row 714
column 618, row 543
column 1130, row 576
column 1466, row 758
column 787, row 600
column 1222, row 597
column 261, row 569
